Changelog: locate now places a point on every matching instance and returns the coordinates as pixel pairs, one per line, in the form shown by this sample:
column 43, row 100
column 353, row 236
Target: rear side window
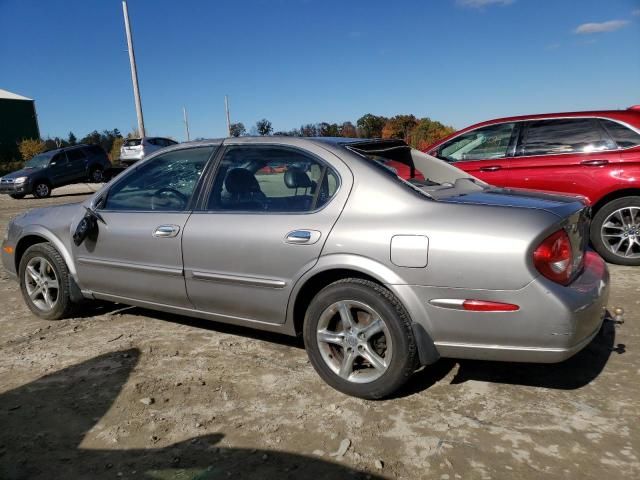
column 571, row 135
column 76, row 155
column 622, row 135
column 481, row 144
column 271, row 179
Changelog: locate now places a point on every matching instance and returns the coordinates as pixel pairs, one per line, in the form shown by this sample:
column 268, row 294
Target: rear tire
column 96, row 175
column 615, row 231
column 369, row 363
column 44, row 282
column 41, row 190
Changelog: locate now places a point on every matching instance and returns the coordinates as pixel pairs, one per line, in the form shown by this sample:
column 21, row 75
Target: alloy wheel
column 42, row 190
column 620, row 232
column 41, row 283
column 354, row 341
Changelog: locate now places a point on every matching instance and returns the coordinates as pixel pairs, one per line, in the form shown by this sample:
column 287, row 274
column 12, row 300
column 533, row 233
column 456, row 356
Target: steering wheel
column 158, row 195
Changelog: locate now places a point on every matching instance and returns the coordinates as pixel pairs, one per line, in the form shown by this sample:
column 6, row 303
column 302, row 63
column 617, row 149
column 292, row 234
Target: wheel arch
column 330, row 270
column 39, row 234
column 611, row 196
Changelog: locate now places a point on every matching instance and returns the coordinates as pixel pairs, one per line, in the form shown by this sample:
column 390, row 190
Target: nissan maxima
column 379, row 275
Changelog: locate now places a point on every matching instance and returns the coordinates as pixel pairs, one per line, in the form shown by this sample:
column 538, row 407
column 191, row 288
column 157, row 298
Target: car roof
column 630, row 116
column 333, row 141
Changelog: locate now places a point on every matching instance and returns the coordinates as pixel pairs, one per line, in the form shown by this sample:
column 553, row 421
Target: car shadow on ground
column 45, row 422
column 576, row 372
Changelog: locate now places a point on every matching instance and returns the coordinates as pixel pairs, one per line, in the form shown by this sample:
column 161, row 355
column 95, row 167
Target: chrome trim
column 238, row 279
column 178, row 272
column 453, row 303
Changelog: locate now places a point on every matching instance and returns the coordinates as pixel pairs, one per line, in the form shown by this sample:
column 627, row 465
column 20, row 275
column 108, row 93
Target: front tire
column 41, row 190
column 359, row 339
column 615, row 231
column 44, row 282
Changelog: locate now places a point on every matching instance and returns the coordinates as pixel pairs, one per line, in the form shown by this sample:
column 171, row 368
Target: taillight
column 554, row 257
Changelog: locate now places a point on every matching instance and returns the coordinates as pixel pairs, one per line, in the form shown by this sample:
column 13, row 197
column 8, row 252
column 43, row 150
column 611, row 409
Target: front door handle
column 166, row 231
column 492, row 168
column 302, row 237
column 594, row 163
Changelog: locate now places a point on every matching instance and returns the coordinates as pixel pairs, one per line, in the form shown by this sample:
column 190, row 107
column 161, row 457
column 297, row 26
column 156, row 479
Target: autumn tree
column 400, row 126
column 370, row 126
column 348, row 130
column 309, row 130
column 428, row 131
column 237, row 129
column 264, row 127
column 30, row 147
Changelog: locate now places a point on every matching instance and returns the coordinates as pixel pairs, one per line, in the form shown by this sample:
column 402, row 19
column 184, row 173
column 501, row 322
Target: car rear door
column 137, row 252
column 259, row 229
column 77, row 165
column 566, row 155
column 484, row 152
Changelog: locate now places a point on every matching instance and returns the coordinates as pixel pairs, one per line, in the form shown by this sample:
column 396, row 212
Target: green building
column 18, row 120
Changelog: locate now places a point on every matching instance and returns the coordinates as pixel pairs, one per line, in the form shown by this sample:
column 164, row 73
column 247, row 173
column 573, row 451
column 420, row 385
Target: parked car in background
column 56, row 168
column 380, row 276
column 593, row 154
column 134, row 149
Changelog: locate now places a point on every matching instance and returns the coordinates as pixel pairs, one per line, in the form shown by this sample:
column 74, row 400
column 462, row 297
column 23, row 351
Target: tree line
column 417, row 132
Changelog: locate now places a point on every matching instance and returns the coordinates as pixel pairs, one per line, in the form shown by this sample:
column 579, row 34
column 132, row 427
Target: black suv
column 56, row 168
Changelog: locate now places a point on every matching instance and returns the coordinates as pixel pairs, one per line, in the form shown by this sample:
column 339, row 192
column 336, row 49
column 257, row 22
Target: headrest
column 295, row 177
column 241, row 180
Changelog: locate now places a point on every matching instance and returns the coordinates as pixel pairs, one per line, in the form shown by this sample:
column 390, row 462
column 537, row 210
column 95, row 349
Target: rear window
column 132, row 142
column 572, row 135
column 622, row 135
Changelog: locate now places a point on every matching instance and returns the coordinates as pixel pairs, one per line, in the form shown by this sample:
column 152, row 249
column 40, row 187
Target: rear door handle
column 166, row 231
column 302, row 237
column 492, row 168
column 594, row 163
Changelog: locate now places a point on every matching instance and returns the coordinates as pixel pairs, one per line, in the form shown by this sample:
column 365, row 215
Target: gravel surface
column 129, row 393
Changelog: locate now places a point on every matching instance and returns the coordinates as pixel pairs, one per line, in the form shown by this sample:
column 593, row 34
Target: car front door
column 566, row 155
column 137, row 252
column 268, row 214
column 483, row 152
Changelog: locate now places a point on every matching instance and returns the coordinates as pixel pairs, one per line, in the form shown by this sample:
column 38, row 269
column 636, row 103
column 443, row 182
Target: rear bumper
column 554, row 322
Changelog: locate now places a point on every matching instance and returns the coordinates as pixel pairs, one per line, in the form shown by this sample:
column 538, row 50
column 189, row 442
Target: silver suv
column 134, row 149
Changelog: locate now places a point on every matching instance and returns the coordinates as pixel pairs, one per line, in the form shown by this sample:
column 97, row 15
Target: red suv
column 593, row 154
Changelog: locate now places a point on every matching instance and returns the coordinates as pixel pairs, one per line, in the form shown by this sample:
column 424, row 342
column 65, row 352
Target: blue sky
column 303, row 61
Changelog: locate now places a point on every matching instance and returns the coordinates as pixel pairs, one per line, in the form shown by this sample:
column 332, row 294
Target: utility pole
column 226, row 108
column 134, row 70
column 186, row 122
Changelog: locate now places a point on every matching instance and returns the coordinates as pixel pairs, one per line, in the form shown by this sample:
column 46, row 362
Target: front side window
column 165, row 183
column 622, row 135
column 484, row 143
column 271, row 179
column 571, row 135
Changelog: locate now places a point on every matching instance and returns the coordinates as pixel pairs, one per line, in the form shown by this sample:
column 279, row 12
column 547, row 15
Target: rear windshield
column 417, row 170
column 132, row 142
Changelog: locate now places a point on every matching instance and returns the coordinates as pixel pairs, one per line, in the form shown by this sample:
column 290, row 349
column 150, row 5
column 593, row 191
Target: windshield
column 39, row 161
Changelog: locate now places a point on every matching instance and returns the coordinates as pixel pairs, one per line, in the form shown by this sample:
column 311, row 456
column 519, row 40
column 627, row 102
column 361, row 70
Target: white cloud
column 610, row 26
column 636, row 13
column 483, row 3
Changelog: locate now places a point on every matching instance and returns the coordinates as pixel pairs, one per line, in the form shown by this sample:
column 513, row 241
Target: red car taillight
column 554, row 257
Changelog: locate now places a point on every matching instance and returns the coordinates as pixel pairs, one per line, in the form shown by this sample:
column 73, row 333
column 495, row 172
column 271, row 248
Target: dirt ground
column 129, row 393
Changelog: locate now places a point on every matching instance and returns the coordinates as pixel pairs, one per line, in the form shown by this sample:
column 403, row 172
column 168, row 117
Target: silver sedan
column 321, row 238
